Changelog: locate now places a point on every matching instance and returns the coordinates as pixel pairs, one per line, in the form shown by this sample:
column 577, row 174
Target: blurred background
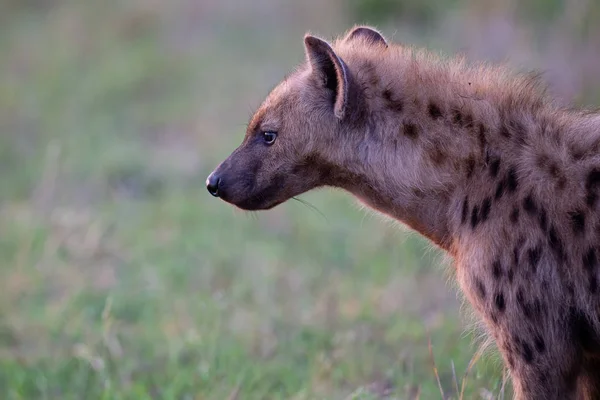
column 122, row 278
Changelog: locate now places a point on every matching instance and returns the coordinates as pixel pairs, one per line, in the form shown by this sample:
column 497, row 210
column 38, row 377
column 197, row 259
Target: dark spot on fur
column 553, row 170
column 545, row 284
column 518, row 129
column 591, row 198
column 591, row 183
column 500, row 302
column 540, row 344
column 590, row 260
column 374, row 79
column 543, row 219
column 556, row 243
column 542, row 161
column 437, row 155
column 470, row 166
column 512, row 180
column 474, row 217
column 538, row 309
column 370, row 70
column 570, row 289
column 395, row 143
column 499, row 190
column 511, row 275
column 534, row 255
column 480, row 288
column 434, row 111
column 583, row 332
column 494, row 167
column 593, row 287
column 526, row 351
column 326, row 173
column 514, row 215
column 529, row 311
column 485, row 209
column 410, row 130
column 497, row 269
column 395, row 105
column 577, row 221
column 523, row 305
column 520, row 297
column 576, row 153
column 468, row 121
column 529, row 205
column 457, row 117
column 418, row 193
column 504, row 131
column 465, row 210
column 482, row 140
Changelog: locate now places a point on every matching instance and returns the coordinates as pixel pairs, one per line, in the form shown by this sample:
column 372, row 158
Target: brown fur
column 478, row 160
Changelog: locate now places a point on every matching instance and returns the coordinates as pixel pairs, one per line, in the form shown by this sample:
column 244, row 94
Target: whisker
column 310, row 206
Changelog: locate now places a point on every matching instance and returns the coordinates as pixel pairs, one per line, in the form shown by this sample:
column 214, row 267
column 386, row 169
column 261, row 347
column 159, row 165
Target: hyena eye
column 269, row 137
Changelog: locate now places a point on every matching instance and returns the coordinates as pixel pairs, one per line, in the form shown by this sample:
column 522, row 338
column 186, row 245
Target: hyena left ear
column 330, row 71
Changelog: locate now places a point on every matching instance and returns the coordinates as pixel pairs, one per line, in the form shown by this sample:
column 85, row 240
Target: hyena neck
column 439, row 135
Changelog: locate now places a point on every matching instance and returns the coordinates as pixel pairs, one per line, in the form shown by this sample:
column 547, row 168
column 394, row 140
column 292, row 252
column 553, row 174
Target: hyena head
column 303, row 135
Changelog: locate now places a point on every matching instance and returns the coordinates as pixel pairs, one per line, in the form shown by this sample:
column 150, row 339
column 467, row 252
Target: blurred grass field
column 121, row 278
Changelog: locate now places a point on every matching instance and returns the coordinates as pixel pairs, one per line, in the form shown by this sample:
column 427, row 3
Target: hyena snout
column 244, row 184
column 213, row 183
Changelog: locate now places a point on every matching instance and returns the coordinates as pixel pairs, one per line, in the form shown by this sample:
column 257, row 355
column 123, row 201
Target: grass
column 121, row 278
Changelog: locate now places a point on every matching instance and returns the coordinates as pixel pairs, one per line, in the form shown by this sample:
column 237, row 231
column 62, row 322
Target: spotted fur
column 475, row 158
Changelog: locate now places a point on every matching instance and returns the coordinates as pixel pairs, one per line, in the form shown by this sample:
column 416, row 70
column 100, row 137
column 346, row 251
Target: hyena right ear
column 367, row 34
column 330, row 71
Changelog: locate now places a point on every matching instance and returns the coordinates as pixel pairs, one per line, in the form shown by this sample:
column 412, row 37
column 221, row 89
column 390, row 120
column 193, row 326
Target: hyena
column 479, row 160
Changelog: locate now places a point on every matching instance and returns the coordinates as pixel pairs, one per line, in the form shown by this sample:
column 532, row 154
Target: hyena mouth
column 248, row 199
column 263, row 199
column 256, row 204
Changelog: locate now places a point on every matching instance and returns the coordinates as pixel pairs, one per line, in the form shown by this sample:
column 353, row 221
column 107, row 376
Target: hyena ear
column 330, row 71
column 367, row 34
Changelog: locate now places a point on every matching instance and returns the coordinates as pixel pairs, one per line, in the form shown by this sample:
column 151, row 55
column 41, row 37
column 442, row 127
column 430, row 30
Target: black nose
column 212, row 184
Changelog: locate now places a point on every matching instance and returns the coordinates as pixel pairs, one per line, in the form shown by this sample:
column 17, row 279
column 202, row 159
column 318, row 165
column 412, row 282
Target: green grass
column 151, row 306
column 121, row 278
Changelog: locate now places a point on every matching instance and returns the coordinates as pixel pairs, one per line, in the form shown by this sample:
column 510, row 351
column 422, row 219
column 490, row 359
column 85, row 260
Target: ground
column 122, row 278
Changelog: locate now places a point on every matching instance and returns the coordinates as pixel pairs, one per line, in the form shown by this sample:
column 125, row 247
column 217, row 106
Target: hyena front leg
column 544, row 358
column 532, row 333
column 540, row 368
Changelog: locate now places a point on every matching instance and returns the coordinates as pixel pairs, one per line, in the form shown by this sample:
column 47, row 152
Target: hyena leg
column 548, row 385
column 533, row 333
column 588, row 385
column 540, row 368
